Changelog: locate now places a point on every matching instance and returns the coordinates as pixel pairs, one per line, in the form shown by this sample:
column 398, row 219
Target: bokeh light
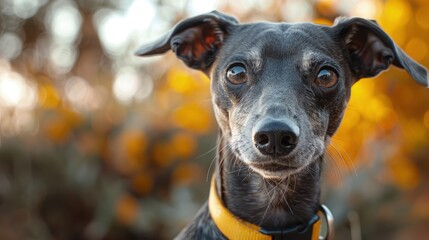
column 64, row 21
column 128, row 85
column 10, row 45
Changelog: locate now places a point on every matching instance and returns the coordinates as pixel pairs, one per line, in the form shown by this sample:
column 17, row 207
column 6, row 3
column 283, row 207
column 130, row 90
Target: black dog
column 279, row 93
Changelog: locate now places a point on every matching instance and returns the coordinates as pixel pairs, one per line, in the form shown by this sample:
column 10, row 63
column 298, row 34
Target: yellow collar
column 233, row 227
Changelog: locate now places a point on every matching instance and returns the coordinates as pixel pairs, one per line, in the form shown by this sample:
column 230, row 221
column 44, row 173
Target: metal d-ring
column 329, row 218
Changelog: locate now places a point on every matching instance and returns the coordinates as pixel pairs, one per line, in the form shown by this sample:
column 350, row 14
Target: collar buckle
column 300, row 232
column 329, row 219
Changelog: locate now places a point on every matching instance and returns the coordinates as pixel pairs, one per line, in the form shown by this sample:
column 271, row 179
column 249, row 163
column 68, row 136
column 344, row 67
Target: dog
column 279, row 92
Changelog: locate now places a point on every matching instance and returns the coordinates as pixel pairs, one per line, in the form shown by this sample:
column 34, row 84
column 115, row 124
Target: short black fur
column 276, row 188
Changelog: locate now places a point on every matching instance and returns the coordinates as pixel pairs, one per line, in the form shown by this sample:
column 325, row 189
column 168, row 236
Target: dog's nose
column 276, row 138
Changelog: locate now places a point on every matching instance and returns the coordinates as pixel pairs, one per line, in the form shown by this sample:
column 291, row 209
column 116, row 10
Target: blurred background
column 96, row 143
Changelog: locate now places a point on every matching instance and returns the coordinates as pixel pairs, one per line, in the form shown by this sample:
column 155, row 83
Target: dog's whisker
column 336, row 169
column 285, row 199
column 349, row 163
column 348, row 160
column 210, row 166
column 249, row 173
column 206, row 101
column 213, row 160
column 205, row 154
column 268, row 204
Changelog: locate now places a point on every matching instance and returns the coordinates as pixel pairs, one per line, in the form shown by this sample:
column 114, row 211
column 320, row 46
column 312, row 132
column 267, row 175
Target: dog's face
column 298, row 82
column 280, row 90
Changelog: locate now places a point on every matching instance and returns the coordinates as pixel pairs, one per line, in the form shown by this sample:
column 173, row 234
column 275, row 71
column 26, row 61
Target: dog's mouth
column 274, row 170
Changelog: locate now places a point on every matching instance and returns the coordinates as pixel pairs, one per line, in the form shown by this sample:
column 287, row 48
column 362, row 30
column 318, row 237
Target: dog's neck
column 263, row 202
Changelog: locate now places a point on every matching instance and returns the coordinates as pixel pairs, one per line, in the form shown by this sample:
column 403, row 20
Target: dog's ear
column 371, row 50
column 195, row 40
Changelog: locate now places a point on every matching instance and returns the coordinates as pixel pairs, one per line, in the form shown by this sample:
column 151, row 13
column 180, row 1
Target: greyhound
column 279, row 92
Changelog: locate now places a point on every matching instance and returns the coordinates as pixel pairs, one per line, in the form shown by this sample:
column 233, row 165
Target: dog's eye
column 327, row 77
column 236, row 74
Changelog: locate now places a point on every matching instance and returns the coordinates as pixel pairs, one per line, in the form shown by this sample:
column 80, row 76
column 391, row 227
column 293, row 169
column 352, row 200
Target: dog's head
column 280, row 90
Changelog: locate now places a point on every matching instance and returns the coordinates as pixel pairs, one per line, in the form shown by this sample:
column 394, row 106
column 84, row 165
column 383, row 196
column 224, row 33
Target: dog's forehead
column 279, row 39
